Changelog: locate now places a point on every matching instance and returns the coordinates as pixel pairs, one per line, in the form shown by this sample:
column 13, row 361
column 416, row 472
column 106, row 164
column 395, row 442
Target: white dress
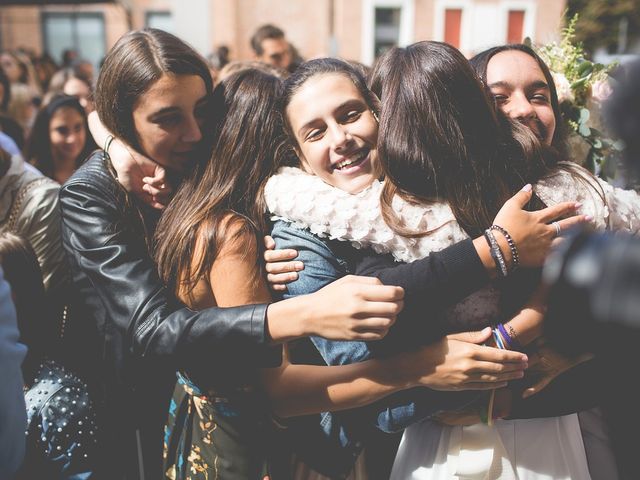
column 543, row 448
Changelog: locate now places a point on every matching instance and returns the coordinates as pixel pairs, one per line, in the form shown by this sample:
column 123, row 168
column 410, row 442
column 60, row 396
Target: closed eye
column 540, row 98
column 168, row 120
column 351, row 116
column 314, row 134
column 500, row 99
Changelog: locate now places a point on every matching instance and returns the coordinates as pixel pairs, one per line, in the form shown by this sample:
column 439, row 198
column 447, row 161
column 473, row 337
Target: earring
column 375, row 115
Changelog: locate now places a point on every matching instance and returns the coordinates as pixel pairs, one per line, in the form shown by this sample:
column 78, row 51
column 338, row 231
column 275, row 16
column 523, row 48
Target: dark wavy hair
column 442, row 139
column 228, row 185
column 480, row 64
column 38, row 147
column 305, row 72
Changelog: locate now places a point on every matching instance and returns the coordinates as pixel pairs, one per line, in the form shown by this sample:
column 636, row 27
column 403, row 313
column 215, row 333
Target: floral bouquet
column 582, row 86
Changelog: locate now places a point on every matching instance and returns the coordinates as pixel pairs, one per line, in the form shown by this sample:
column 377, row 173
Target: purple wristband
column 507, row 338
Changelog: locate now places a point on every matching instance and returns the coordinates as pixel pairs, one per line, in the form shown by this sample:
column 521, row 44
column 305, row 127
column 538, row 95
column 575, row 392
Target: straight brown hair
column 248, row 135
column 137, row 61
column 441, row 139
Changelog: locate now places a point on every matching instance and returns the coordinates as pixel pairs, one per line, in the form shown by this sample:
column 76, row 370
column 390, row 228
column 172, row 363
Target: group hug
column 333, row 273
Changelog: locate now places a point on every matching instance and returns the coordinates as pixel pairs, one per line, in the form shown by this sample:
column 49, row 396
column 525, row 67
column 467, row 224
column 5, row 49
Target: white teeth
column 352, row 160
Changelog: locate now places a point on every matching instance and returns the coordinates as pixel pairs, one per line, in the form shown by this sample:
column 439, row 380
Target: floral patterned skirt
column 209, row 437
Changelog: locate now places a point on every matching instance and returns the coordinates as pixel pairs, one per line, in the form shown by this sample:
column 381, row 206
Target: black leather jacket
column 134, row 335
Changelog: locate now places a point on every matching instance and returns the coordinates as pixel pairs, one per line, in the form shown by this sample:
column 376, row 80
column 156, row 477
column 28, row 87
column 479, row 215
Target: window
column 160, row 20
column 80, row 31
column 515, row 26
column 387, row 29
column 385, row 24
column 452, row 23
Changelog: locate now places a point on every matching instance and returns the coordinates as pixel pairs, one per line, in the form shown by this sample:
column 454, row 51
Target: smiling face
column 67, row 134
column 335, row 131
column 521, row 91
column 168, row 119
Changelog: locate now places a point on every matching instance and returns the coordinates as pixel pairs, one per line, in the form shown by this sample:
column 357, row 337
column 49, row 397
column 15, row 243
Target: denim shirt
column 325, row 261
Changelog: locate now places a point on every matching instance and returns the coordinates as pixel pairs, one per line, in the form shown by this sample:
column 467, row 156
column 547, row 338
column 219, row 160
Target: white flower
column 601, row 90
column 563, row 87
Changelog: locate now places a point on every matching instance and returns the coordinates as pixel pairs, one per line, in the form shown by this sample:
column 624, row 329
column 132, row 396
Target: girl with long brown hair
column 152, row 93
column 207, row 251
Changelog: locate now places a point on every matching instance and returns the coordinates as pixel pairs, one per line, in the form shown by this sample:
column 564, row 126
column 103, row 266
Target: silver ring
column 556, row 225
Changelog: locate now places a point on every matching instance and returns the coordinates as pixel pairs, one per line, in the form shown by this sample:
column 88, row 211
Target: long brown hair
column 137, row 61
column 248, row 135
column 441, row 139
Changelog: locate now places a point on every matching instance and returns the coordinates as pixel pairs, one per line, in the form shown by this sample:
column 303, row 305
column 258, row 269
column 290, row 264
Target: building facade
column 351, row 29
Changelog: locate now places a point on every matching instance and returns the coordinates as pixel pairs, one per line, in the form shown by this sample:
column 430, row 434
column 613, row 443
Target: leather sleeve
column 141, row 319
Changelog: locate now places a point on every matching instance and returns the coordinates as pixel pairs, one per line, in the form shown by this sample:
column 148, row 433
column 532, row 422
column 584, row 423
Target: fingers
column 489, row 354
column 478, row 337
column 274, row 256
column 269, row 242
column 373, row 328
column 388, row 309
column 501, row 377
column 281, row 278
column 357, row 279
column 280, row 267
column 159, row 176
column 528, row 392
column 154, row 191
column 494, row 369
column 522, row 197
column 375, row 292
column 564, row 209
column 484, row 385
column 567, row 223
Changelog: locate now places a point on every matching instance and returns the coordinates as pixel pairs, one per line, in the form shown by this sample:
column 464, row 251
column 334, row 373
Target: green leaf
column 585, row 68
column 579, row 83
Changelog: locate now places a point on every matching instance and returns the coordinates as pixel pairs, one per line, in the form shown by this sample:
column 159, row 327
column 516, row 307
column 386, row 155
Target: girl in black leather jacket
column 153, row 93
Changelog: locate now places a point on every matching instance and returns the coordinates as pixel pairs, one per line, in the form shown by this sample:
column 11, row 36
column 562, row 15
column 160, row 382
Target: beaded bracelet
column 505, row 336
column 496, row 253
column 512, row 245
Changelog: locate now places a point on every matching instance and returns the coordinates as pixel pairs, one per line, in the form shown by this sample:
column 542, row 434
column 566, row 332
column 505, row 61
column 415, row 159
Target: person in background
column 29, row 208
column 12, row 408
column 270, row 46
column 69, row 81
column 61, row 430
column 59, row 141
column 69, row 57
column 7, row 124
